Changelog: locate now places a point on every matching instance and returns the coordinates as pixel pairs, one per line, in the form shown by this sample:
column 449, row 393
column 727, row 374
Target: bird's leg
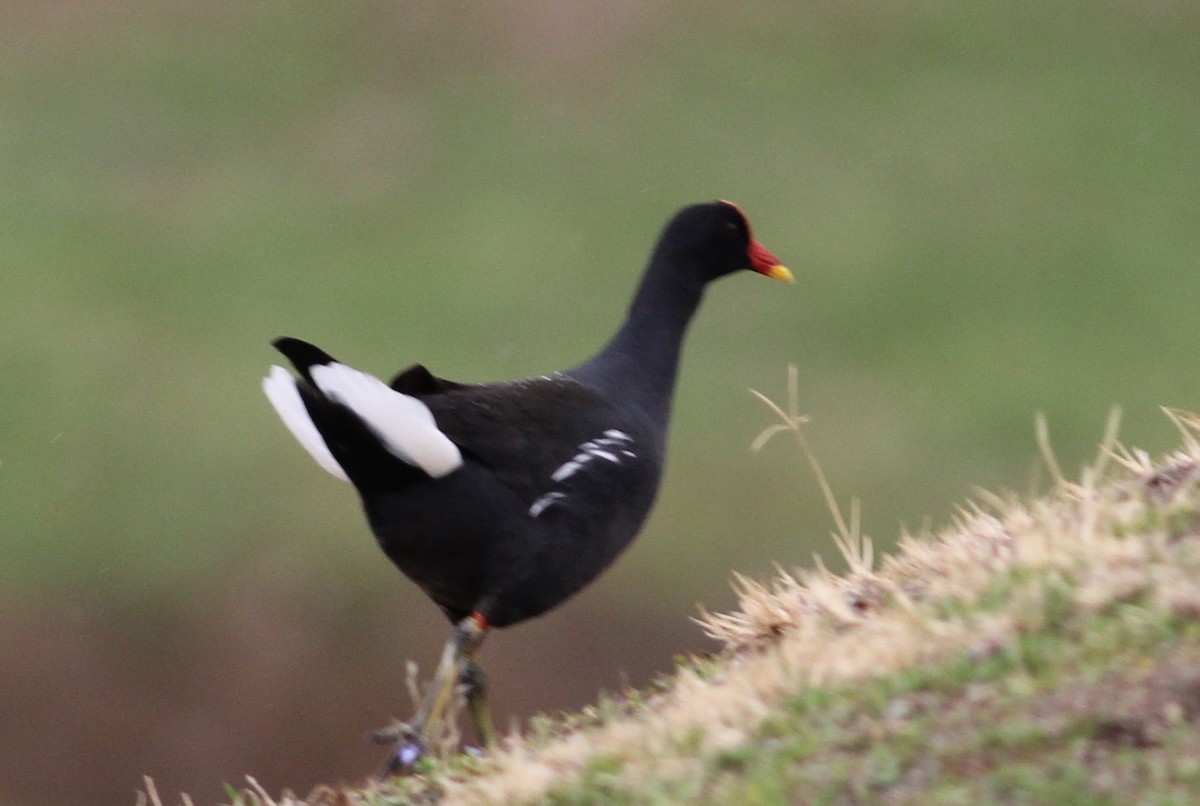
column 474, row 683
column 412, row 739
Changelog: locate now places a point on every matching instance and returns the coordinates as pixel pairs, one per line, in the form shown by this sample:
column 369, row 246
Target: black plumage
column 502, row 500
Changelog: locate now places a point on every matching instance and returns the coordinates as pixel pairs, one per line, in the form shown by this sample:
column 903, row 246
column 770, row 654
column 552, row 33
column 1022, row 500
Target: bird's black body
column 470, row 540
column 558, row 472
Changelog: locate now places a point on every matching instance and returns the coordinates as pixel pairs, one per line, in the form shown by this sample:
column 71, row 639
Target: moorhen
column 502, row 500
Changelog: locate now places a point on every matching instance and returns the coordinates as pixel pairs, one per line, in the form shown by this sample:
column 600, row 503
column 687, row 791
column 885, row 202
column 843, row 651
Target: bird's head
column 717, row 236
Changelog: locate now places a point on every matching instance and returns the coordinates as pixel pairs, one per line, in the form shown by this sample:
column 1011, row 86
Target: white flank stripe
column 404, row 424
column 539, row 506
column 605, row 447
column 281, row 390
column 565, row 471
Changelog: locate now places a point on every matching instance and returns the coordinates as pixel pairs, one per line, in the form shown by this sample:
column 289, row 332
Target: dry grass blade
column 765, row 612
column 854, row 547
column 150, row 795
column 259, row 792
column 1042, row 428
column 1188, row 425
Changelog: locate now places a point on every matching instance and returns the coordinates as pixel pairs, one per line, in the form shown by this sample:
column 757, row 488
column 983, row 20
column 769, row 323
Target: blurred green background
column 991, row 210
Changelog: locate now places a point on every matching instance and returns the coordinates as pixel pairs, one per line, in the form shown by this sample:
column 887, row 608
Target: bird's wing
column 419, row 382
column 550, row 440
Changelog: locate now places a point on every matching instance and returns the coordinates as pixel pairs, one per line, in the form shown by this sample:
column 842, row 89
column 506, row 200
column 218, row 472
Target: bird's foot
column 392, row 732
column 408, row 747
column 411, row 740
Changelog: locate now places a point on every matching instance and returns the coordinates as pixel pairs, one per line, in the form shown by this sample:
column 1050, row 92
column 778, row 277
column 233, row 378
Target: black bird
column 502, row 500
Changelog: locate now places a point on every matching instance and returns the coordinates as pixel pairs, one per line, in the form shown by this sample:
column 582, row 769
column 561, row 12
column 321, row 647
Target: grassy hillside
column 1037, row 651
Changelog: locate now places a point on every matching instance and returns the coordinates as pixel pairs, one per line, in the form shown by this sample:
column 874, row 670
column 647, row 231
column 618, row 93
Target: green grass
column 1015, row 730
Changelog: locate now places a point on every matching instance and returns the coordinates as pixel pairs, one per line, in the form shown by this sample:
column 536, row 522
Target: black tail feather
column 353, row 444
column 302, row 354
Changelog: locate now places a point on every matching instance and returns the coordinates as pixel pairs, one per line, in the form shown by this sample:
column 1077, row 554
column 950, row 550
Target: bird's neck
column 641, row 361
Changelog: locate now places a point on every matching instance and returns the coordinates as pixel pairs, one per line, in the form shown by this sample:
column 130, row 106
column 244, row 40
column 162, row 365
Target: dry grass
column 1122, row 544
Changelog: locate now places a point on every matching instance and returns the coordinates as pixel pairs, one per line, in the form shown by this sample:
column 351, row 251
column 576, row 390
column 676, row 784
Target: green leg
column 475, row 683
column 411, row 739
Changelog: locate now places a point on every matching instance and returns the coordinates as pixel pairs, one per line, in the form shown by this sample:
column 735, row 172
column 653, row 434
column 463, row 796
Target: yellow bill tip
column 780, row 272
